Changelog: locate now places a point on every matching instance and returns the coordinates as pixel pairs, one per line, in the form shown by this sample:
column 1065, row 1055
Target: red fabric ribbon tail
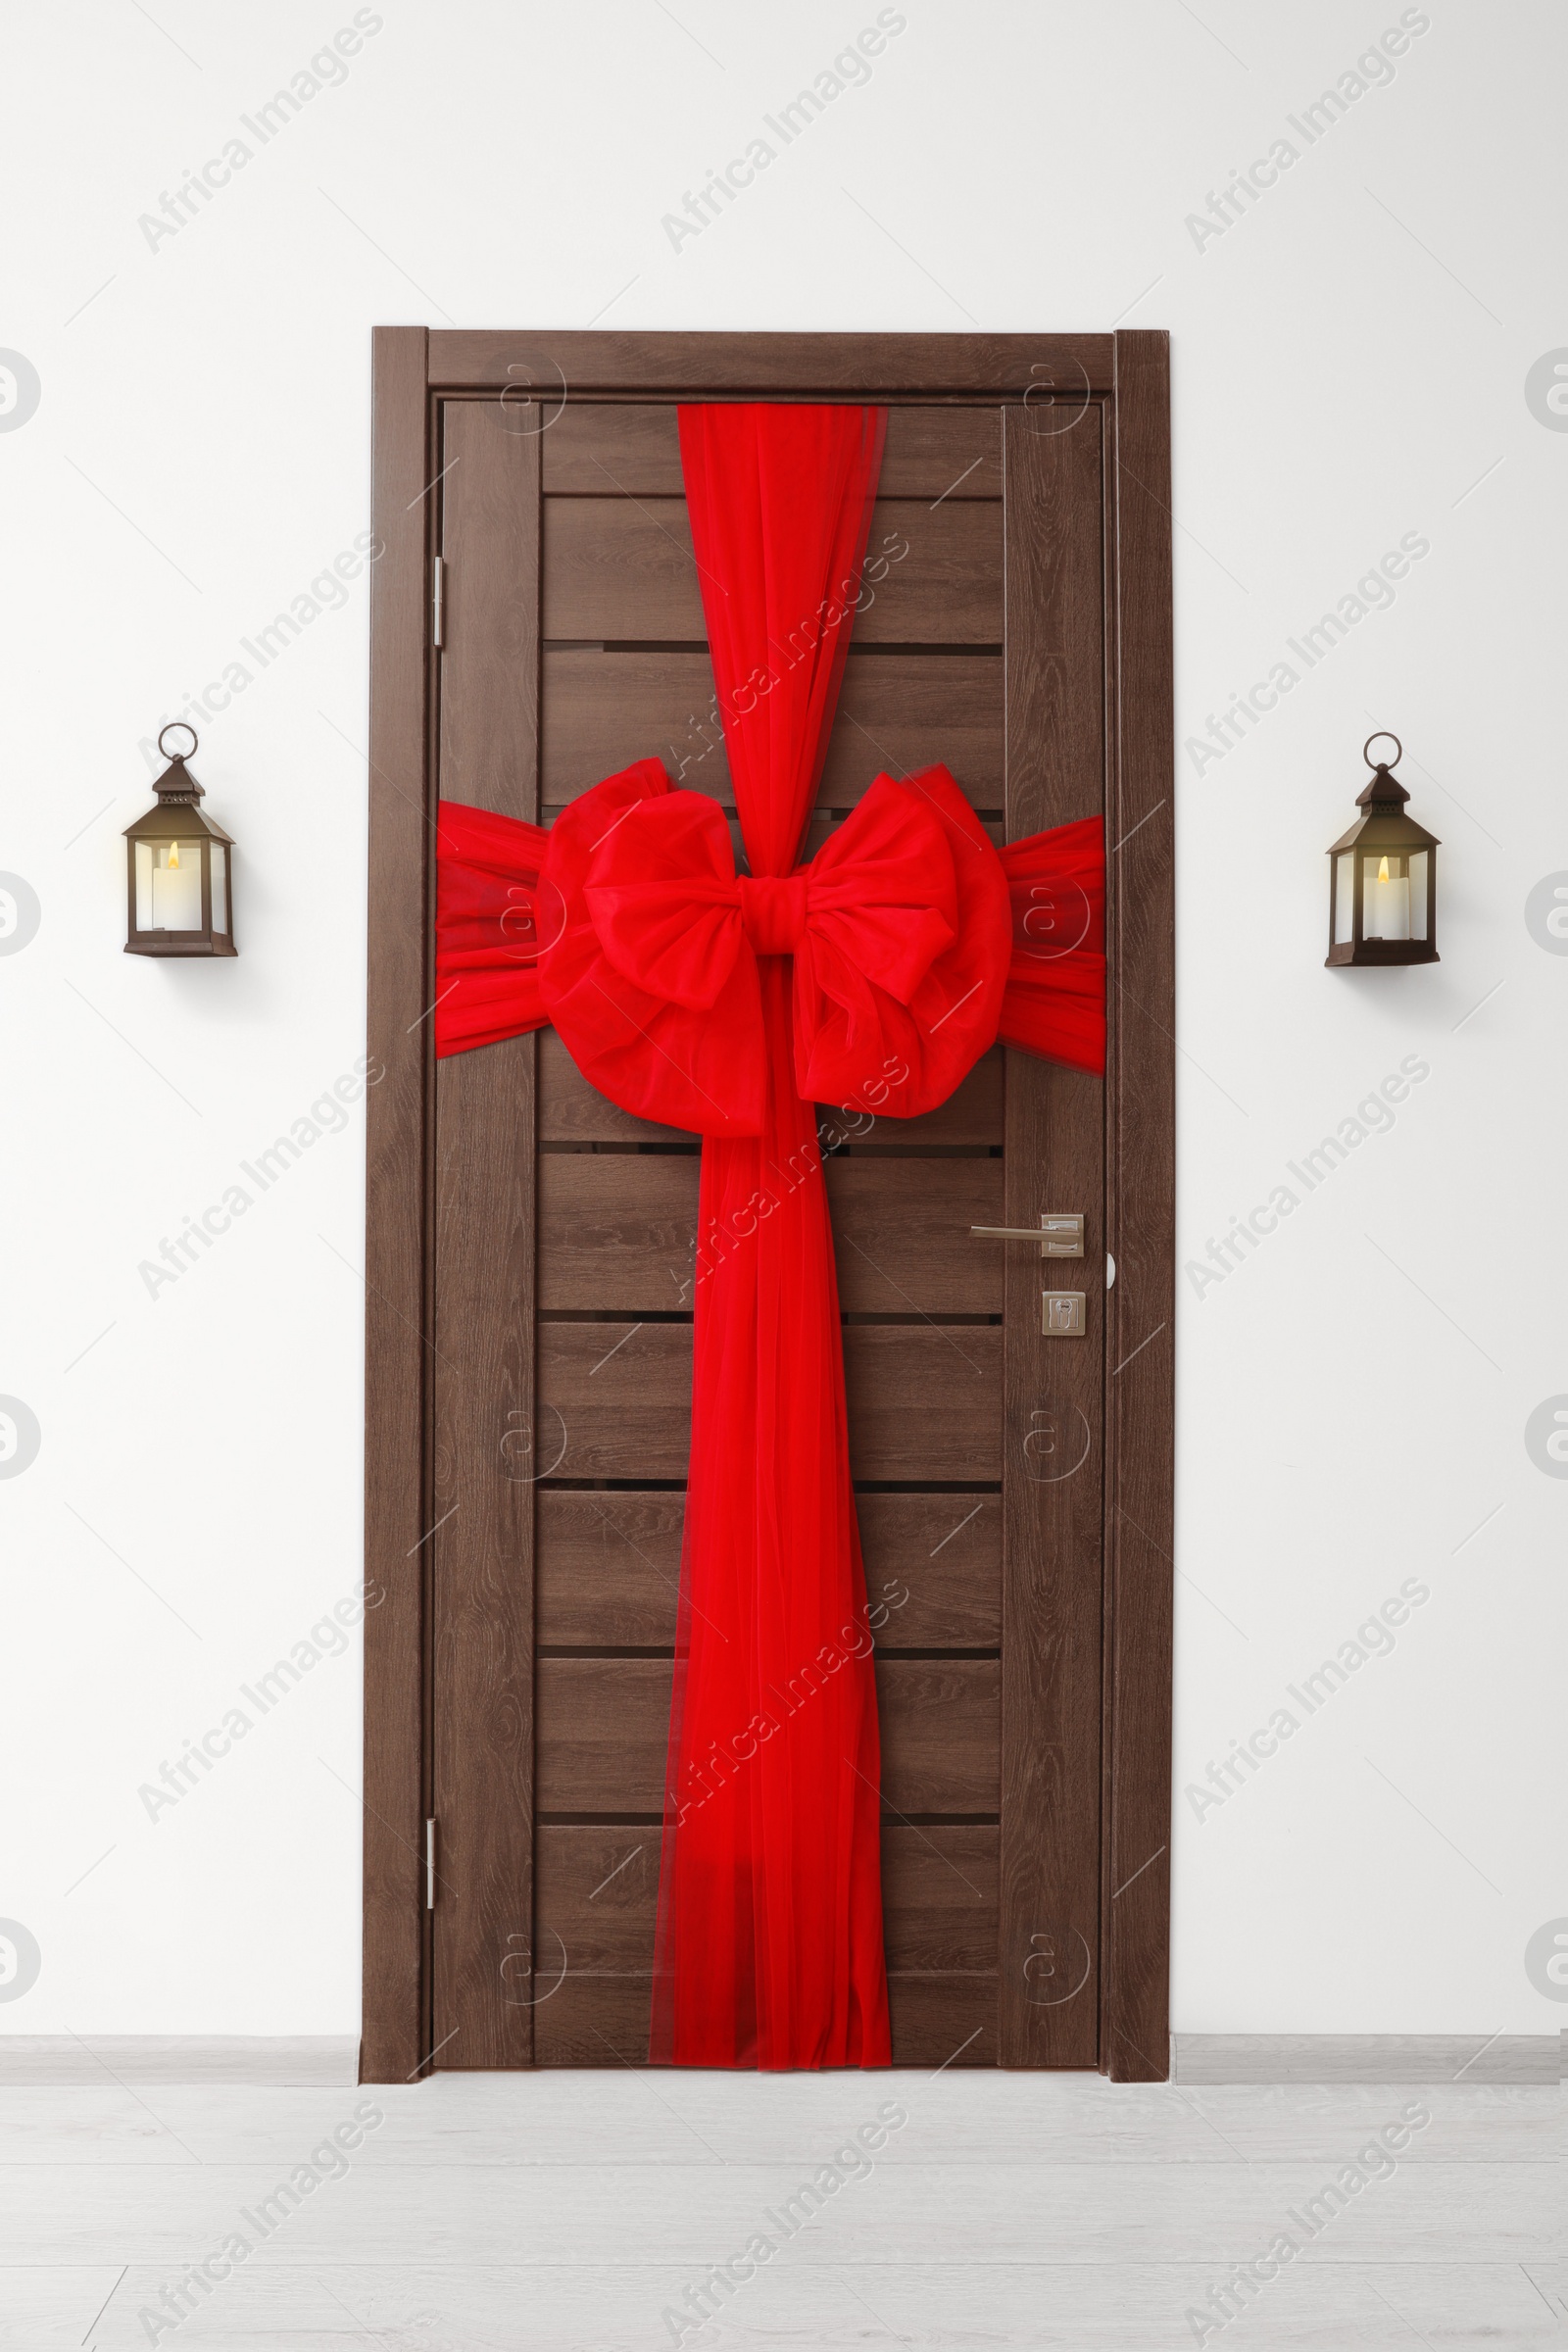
column 1055, row 1001
column 769, row 1940
column 486, row 929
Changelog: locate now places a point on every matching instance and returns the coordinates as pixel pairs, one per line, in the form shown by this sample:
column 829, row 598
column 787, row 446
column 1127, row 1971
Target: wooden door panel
column 623, row 568
column 601, row 710
column 615, row 1401
column 604, row 1724
column 618, row 1231
column 978, row 642
column 595, row 446
column 609, row 1569
column 571, row 1111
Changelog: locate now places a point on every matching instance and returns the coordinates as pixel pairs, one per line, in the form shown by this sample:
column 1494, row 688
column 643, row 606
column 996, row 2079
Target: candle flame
column 174, row 860
column 1383, row 869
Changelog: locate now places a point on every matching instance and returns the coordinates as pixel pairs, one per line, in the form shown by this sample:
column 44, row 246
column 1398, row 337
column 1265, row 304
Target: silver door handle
column 1058, row 1235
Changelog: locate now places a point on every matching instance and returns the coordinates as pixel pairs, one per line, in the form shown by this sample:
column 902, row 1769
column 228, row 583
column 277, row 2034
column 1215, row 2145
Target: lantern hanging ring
column 185, row 727
column 1373, row 765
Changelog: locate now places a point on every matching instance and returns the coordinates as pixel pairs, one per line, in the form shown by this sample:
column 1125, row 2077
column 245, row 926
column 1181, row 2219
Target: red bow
column 649, row 956
column 915, row 945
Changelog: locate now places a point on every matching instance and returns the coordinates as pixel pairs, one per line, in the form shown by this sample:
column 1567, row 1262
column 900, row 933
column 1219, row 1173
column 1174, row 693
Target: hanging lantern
column 1383, row 878
column 179, row 869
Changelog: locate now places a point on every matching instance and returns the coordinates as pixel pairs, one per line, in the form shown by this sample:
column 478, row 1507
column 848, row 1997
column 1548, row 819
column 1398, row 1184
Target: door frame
column 1128, row 372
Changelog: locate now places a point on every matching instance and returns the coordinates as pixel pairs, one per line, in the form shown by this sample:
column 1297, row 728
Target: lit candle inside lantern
column 177, row 889
column 1386, row 912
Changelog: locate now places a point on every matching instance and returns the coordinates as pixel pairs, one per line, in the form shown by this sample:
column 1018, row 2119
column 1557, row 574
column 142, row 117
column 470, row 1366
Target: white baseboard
column 310, row 2061
column 1367, row 2058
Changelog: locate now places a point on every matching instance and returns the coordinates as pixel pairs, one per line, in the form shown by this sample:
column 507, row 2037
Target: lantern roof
column 177, row 812
column 1384, row 825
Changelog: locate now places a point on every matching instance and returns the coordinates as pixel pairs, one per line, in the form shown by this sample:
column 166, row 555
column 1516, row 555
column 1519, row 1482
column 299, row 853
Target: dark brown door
column 564, row 1226
column 529, row 1250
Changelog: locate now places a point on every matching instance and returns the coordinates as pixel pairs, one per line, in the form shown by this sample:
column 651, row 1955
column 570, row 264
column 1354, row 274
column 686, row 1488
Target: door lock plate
column 1062, row 1315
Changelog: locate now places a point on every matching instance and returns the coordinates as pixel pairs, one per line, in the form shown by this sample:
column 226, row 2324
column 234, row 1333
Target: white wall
column 1349, row 360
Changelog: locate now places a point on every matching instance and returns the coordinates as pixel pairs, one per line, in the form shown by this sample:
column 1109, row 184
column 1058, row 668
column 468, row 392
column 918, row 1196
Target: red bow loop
column 661, row 892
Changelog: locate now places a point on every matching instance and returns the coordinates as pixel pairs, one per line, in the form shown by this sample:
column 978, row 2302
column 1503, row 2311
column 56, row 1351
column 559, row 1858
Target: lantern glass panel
column 1418, row 894
column 1343, row 898
column 1386, row 894
column 220, row 857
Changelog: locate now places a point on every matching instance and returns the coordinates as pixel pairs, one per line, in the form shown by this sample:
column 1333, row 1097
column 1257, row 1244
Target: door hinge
column 429, row 1865
column 438, row 615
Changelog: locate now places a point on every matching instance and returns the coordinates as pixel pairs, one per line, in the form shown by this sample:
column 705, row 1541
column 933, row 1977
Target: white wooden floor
column 574, row 2210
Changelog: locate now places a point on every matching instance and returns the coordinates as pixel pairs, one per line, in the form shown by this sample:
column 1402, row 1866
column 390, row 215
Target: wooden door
column 560, row 1268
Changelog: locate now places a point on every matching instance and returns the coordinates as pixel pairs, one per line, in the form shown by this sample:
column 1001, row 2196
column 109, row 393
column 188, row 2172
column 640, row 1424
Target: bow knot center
column 774, row 912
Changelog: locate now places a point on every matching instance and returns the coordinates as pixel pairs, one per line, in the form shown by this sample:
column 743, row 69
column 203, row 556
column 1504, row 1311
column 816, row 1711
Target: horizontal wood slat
column 938, row 2021
column 939, row 1897
column 594, row 448
column 609, row 1569
column 597, row 1898
column 902, row 1239
column 941, row 1723
column 604, row 1724
column 618, row 1231
column 571, row 1111
column 943, row 2021
column 623, row 568
column 925, row 1404
column 896, row 711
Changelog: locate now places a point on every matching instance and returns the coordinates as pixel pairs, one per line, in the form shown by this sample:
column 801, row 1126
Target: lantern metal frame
column 177, row 818
column 1384, row 830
